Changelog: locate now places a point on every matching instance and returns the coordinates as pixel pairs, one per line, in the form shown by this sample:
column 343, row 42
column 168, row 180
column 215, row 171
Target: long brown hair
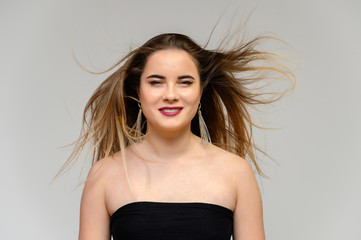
column 231, row 78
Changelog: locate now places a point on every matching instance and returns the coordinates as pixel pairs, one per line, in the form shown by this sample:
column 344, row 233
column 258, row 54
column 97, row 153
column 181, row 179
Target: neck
column 168, row 147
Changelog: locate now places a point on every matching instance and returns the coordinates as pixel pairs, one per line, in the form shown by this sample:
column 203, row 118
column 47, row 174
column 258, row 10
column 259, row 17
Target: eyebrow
column 162, row 77
column 156, row 76
column 186, row 76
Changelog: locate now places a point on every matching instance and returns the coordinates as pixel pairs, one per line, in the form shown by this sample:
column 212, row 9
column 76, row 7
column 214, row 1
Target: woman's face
column 170, row 90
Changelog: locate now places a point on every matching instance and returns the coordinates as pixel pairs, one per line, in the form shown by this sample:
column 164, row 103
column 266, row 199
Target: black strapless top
column 171, row 221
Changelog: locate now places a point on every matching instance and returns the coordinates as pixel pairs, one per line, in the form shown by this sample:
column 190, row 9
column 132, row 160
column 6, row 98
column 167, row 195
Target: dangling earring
column 138, row 123
column 203, row 127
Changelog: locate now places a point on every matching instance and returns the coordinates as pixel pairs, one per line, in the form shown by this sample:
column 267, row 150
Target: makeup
column 170, row 111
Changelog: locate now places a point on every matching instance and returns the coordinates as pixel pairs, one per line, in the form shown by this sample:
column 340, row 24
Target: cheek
column 145, row 95
column 193, row 99
column 193, row 96
column 148, row 97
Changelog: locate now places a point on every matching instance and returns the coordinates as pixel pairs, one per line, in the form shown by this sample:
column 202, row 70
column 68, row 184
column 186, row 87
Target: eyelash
column 187, row 82
column 154, row 82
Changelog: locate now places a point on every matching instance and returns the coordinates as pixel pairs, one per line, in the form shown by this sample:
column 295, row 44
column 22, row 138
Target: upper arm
column 248, row 213
column 94, row 217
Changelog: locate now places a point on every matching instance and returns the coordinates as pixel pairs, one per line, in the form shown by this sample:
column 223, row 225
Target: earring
column 203, row 127
column 138, row 123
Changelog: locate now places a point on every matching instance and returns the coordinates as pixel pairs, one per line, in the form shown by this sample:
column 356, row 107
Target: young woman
column 171, row 130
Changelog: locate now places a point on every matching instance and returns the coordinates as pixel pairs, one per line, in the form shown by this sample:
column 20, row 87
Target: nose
column 170, row 94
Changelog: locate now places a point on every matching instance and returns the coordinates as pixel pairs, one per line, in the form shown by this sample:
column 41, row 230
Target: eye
column 154, row 82
column 186, row 82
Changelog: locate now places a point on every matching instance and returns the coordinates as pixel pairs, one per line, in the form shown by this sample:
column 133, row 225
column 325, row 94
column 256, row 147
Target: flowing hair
column 233, row 80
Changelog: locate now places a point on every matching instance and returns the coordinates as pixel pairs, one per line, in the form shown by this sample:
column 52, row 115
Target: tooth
column 171, row 110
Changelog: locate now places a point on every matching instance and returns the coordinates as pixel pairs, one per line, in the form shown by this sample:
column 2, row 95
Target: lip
column 163, row 111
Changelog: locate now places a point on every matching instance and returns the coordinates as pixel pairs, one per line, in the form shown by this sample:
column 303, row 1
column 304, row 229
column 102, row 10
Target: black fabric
column 171, row 221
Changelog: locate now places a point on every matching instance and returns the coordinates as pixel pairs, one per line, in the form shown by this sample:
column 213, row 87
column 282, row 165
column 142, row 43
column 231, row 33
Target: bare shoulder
column 234, row 165
column 94, row 215
column 104, row 168
column 248, row 214
column 100, row 176
column 103, row 176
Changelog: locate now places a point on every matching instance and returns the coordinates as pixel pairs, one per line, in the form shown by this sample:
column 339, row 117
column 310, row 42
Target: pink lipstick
column 170, row 111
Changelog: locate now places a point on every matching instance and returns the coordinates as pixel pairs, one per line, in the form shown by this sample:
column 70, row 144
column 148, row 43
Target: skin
column 171, row 164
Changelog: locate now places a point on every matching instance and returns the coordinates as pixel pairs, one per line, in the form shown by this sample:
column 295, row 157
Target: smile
column 170, row 111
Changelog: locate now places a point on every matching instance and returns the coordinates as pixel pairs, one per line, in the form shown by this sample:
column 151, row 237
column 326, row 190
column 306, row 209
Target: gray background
column 314, row 190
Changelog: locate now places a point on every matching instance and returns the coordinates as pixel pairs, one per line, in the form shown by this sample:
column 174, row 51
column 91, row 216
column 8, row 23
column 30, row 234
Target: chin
column 172, row 128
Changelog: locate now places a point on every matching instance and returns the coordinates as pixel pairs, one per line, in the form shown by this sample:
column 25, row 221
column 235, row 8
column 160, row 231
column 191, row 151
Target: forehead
column 171, row 60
